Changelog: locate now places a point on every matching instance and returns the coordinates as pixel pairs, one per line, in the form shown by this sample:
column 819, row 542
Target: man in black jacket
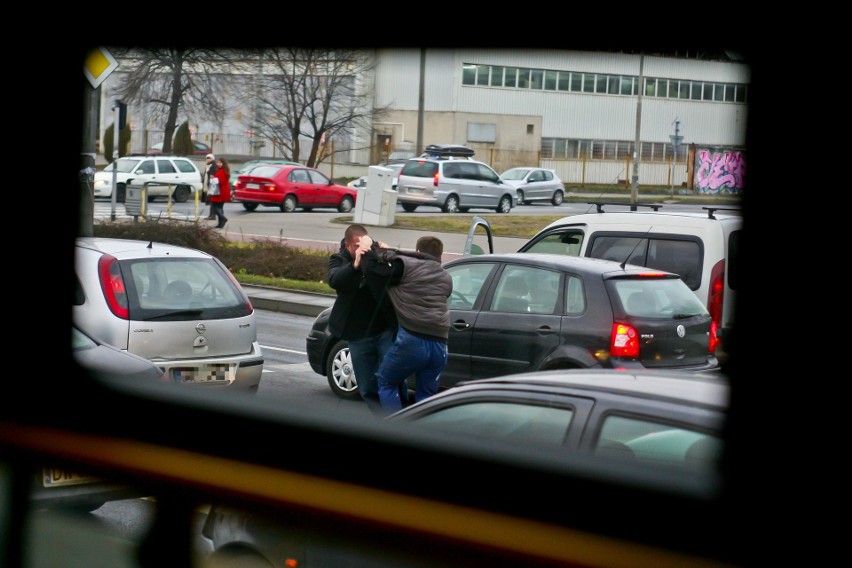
column 356, row 316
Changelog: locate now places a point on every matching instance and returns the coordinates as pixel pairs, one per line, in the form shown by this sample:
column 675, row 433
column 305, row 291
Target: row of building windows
column 598, row 83
column 572, row 149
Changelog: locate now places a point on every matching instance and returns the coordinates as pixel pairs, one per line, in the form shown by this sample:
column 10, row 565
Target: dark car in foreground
column 657, row 418
column 60, row 487
column 291, row 187
column 659, row 421
column 519, row 312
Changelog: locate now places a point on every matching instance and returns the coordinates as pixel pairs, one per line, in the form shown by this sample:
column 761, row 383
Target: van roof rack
column 447, row 151
column 633, row 206
column 711, row 210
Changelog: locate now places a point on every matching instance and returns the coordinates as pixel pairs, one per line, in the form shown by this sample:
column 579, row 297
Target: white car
column 361, row 182
column 160, row 175
column 358, row 183
column 535, row 184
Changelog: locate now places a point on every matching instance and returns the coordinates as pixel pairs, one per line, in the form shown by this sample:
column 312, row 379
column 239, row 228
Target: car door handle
column 546, row 330
column 460, row 325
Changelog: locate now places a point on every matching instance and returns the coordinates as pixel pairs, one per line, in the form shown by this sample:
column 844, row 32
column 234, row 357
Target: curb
column 290, row 302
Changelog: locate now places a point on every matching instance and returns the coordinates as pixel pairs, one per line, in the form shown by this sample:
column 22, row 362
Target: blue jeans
column 366, row 354
column 424, row 358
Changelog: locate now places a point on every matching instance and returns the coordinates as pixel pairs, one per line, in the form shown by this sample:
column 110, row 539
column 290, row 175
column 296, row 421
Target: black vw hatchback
column 519, row 312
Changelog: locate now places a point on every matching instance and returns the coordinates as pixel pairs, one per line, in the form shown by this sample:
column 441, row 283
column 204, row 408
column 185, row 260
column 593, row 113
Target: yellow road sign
column 99, row 64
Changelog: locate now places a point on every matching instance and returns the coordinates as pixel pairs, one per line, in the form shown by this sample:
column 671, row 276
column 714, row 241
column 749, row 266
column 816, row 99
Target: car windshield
column 263, row 170
column 657, row 298
column 514, row 174
column 247, row 167
column 126, row 165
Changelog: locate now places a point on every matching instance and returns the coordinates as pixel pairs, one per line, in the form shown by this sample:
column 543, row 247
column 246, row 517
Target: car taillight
column 716, row 295
column 624, row 341
column 435, row 179
column 270, row 187
column 112, row 285
column 714, row 338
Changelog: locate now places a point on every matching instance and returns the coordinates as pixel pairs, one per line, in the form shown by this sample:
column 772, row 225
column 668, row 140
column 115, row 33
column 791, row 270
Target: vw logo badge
column 681, row 331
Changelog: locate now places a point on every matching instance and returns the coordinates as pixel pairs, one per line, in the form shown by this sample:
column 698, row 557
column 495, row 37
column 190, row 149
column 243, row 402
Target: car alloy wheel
column 521, row 198
column 289, row 204
column 181, row 194
column 557, row 198
column 505, row 204
column 345, row 205
column 451, row 205
column 340, row 373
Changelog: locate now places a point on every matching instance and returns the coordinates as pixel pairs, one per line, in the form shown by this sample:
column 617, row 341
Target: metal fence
column 704, row 170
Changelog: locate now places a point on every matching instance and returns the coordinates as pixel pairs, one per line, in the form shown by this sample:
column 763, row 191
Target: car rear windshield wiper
column 190, row 312
column 683, row 316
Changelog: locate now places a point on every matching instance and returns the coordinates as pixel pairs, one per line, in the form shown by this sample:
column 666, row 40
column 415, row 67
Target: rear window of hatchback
column 419, row 169
column 180, row 289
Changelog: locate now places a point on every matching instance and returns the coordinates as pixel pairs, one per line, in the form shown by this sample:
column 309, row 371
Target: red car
column 290, row 187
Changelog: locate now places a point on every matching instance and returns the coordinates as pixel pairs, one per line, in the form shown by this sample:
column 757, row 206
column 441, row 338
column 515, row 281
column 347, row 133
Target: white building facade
column 578, row 112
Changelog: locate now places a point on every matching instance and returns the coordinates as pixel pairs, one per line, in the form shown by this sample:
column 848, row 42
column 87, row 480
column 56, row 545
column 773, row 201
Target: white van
column 701, row 247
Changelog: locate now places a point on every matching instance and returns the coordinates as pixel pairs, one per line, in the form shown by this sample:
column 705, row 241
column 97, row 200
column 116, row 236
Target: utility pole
column 634, row 184
column 676, row 140
column 86, row 227
column 420, row 100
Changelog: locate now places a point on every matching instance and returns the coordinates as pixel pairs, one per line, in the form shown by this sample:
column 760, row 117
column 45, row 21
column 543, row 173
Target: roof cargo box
column 448, row 150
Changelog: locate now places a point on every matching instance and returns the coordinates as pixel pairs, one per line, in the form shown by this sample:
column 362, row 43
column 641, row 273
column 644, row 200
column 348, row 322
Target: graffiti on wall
column 719, row 171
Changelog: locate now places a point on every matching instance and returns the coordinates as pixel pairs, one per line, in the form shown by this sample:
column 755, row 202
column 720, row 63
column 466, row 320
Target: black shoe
column 222, row 223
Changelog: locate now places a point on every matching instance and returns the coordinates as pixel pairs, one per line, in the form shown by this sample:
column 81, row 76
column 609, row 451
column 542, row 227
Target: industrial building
column 596, row 117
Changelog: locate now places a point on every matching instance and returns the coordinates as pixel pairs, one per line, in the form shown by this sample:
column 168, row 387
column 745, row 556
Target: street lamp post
column 676, row 139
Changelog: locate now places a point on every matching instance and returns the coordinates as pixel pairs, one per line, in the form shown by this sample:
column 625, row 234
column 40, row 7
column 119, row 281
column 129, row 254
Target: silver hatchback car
column 177, row 307
column 535, row 184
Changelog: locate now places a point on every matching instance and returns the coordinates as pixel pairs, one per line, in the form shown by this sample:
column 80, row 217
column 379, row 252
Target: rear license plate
column 223, row 373
column 252, row 186
column 55, row 477
column 414, row 190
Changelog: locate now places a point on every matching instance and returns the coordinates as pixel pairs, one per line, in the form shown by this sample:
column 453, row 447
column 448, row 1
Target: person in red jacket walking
column 221, row 195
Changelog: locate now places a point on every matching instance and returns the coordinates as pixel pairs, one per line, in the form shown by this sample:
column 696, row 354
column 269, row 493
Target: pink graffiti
column 720, row 172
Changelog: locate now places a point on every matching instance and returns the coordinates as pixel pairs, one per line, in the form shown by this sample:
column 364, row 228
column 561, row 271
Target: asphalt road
column 323, row 229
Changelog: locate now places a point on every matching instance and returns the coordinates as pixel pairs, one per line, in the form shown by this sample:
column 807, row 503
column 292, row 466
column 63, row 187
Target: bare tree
column 310, row 94
column 175, row 79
